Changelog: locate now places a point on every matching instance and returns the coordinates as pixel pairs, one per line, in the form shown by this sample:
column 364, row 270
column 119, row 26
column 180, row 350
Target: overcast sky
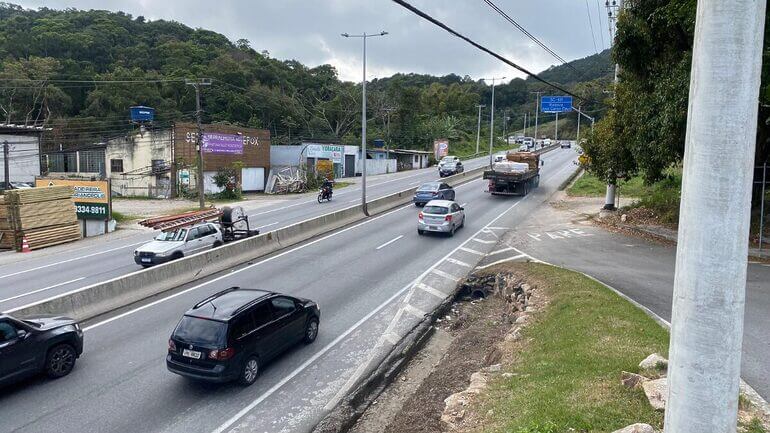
column 309, row 31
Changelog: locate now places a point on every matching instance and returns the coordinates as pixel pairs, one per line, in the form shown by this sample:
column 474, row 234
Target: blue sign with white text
column 556, row 104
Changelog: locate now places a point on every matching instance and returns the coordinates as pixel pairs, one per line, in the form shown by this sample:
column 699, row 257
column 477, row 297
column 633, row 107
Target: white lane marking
column 433, row 291
column 414, row 311
column 483, row 241
column 391, row 338
column 468, row 250
column 70, row 260
column 267, row 225
column 306, row 364
column 499, row 228
column 390, row 242
column 446, row 275
column 458, row 262
column 41, row 290
column 500, row 251
column 354, row 200
column 463, row 205
column 237, row 271
column 509, row 259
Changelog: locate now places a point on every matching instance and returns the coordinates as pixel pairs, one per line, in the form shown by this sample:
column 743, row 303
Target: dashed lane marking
column 40, row 290
column 389, row 242
column 468, row 250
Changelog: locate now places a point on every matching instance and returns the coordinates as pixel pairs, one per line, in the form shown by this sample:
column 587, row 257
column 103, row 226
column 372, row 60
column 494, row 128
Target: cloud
column 309, row 31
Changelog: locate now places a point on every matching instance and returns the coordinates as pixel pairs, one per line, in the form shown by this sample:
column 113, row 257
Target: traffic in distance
column 230, row 335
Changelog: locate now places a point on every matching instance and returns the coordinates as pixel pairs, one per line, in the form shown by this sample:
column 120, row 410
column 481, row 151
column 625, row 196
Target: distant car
column 441, row 216
column 546, row 142
column 566, row 144
column 433, row 191
column 500, row 157
column 172, row 245
column 529, row 142
column 49, row 344
column 450, row 165
column 523, row 148
column 231, row 334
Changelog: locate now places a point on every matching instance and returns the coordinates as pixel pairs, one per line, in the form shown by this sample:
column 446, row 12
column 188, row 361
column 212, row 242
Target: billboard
column 214, row 142
column 92, row 197
column 440, row 148
column 556, row 104
column 325, row 151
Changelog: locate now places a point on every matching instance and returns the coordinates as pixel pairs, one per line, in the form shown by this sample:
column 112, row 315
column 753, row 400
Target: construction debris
column 286, row 180
column 44, row 216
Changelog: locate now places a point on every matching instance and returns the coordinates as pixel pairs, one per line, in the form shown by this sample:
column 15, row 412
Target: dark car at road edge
column 44, row 343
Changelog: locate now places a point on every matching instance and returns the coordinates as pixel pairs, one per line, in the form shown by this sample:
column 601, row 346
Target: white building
column 23, row 143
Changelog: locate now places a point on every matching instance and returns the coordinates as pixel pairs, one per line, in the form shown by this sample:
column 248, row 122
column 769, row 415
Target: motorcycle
column 325, row 193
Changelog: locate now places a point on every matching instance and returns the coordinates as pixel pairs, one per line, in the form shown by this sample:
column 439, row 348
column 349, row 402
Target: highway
column 358, row 275
column 41, row 276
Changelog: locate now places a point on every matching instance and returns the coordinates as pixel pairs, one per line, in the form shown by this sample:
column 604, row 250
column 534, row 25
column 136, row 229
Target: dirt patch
column 466, row 340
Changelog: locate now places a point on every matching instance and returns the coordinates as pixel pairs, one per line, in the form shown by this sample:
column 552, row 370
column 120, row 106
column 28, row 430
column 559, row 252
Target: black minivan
column 230, row 334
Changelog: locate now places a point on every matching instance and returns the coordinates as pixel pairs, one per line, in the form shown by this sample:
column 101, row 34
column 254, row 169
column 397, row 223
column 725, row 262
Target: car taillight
column 435, row 193
column 448, row 218
column 221, row 355
column 420, row 215
column 171, row 345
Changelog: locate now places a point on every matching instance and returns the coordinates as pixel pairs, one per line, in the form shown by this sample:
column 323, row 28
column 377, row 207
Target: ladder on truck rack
column 171, row 222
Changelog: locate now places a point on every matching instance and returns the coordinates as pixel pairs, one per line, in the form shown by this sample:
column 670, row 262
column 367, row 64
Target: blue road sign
column 556, row 104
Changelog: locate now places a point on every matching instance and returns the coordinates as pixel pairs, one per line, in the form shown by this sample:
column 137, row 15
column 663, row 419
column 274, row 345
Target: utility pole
column 478, row 129
column 524, row 133
column 363, row 36
column 505, row 125
column 537, row 111
column 710, row 277
column 577, row 137
column 615, row 8
column 6, row 165
column 387, row 133
column 492, row 119
column 199, row 141
column 556, row 134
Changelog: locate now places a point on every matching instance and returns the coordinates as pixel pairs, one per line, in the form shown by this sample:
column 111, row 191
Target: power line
column 601, row 29
column 480, row 47
column 591, row 25
column 32, row 80
column 530, row 35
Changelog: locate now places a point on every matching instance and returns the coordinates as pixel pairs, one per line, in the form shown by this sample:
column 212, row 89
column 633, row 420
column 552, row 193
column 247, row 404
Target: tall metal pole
column 6, row 165
column 710, row 283
column 556, row 134
column 478, row 129
column 363, row 118
column 577, row 138
column 199, row 140
column 762, row 208
column 537, row 111
column 609, row 197
column 492, row 119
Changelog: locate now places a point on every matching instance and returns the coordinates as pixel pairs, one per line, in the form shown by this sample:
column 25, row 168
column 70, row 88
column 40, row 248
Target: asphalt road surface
column 42, row 275
column 644, row 271
column 359, row 275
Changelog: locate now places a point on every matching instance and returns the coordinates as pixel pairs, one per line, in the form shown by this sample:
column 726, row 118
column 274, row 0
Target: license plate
column 191, row 353
column 146, row 260
column 432, row 228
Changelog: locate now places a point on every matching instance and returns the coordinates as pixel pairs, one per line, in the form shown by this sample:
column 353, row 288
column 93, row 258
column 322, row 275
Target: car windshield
column 436, row 210
column 430, row 187
column 200, row 331
column 176, row 235
column 448, row 159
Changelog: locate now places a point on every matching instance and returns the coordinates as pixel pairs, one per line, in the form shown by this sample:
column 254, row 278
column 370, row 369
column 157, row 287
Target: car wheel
column 249, row 371
column 60, row 360
column 311, row 331
column 452, row 232
column 177, row 255
column 420, row 232
column 217, row 244
column 462, row 224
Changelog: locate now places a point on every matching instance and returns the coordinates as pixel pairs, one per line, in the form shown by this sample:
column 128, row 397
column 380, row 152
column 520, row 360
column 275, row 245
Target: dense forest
column 78, row 72
column 644, row 132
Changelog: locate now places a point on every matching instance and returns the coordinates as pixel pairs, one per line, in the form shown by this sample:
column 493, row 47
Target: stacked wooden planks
column 7, row 239
column 45, row 216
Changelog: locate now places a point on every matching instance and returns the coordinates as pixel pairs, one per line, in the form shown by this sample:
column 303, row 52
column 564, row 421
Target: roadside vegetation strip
column 589, row 185
column 568, row 377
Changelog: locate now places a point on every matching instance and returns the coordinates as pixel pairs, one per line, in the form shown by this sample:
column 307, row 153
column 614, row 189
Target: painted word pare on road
column 559, row 234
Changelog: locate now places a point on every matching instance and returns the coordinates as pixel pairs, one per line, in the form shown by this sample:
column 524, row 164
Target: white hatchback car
column 179, row 243
column 441, row 216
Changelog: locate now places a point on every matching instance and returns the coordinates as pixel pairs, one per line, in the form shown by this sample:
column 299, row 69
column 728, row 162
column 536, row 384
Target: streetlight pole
column 537, row 111
column 478, row 130
column 492, row 119
column 199, row 140
column 615, row 8
column 363, row 36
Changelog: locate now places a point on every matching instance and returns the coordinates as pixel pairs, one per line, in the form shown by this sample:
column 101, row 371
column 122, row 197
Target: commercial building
column 23, row 152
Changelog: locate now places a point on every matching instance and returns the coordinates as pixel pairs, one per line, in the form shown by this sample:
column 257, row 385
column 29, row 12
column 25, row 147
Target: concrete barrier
column 103, row 297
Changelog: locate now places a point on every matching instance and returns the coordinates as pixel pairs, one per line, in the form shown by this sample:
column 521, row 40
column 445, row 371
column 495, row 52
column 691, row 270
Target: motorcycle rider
column 328, row 188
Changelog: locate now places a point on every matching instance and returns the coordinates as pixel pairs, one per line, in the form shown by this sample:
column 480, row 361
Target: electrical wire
column 481, row 47
column 591, row 25
column 601, row 29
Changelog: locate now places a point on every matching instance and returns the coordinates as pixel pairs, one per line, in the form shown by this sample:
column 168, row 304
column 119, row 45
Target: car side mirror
column 22, row 334
column 542, row 163
column 462, row 208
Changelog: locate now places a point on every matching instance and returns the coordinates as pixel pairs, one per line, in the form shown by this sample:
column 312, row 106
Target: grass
column 568, row 374
column 120, row 217
column 589, row 185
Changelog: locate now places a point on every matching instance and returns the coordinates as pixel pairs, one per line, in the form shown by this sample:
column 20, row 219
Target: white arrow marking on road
column 535, row 236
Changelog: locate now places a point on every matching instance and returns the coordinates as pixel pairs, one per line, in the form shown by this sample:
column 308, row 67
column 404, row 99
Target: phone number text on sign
column 91, row 211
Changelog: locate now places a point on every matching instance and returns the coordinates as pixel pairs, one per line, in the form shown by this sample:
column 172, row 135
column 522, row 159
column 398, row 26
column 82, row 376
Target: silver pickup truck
column 171, row 245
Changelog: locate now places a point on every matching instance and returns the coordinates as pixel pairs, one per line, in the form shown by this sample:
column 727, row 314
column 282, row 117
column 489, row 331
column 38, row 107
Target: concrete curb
column 100, row 298
column 564, row 185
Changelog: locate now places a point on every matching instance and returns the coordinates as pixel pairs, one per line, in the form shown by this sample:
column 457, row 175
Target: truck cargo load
column 516, row 176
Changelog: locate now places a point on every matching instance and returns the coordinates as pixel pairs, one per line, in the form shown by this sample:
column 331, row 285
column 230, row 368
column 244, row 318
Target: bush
column 663, row 198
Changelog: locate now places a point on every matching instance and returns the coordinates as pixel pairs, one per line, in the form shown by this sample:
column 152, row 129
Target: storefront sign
column 325, row 151
column 441, row 148
column 222, row 143
column 92, row 197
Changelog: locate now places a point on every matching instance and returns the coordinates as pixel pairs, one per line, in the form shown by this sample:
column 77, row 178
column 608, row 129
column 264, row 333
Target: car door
column 457, row 213
column 266, row 339
column 16, row 350
column 447, row 192
column 292, row 319
column 208, row 235
column 194, row 241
